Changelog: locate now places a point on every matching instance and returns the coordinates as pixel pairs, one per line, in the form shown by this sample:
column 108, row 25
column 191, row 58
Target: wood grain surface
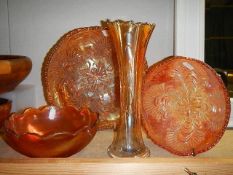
column 94, row 160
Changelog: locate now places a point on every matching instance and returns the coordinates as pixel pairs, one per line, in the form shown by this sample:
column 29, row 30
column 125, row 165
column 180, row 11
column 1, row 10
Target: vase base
column 115, row 153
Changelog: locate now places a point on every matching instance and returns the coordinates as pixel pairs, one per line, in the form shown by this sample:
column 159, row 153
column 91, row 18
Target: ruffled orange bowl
column 50, row 131
column 5, row 108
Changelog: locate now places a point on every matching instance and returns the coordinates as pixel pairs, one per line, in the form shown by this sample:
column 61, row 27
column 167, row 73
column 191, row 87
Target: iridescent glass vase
column 130, row 41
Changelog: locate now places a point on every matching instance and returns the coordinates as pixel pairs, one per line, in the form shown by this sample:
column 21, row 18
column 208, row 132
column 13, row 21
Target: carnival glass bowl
column 5, row 108
column 50, row 131
column 13, row 70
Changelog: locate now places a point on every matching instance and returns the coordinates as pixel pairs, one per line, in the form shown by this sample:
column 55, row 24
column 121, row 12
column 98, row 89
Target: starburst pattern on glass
column 80, row 70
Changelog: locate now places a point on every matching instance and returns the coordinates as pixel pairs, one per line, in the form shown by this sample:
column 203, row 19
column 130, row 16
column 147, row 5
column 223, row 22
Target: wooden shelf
column 94, row 160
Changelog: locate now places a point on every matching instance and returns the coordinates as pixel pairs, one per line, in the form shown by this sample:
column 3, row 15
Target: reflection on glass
column 130, row 41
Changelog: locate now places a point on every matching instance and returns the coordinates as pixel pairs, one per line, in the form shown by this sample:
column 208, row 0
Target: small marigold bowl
column 5, row 109
column 50, row 131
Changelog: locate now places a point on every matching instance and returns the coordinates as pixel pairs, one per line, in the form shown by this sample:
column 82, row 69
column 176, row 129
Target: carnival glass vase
column 130, row 41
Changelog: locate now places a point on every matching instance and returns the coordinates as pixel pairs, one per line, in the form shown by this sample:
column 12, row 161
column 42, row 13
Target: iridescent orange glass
column 80, row 70
column 130, row 41
column 50, row 131
column 186, row 106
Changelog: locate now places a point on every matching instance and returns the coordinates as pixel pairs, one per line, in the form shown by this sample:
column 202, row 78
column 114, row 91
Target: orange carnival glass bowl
column 13, row 70
column 5, row 108
column 50, row 131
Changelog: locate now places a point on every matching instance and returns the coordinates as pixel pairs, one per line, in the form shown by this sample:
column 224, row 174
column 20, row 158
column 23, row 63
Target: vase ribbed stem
column 130, row 41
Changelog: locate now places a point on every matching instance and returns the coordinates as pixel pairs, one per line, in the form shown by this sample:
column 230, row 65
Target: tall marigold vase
column 130, row 41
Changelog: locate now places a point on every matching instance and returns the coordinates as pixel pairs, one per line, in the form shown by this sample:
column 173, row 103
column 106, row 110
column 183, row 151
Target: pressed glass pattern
column 186, row 106
column 79, row 70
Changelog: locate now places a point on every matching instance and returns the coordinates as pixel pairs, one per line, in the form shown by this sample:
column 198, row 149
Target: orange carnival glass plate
column 80, row 70
column 186, row 106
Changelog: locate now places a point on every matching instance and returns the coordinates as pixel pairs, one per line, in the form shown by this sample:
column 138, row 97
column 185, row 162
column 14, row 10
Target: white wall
column 190, row 32
column 4, row 28
column 190, row 28
column 35, row 25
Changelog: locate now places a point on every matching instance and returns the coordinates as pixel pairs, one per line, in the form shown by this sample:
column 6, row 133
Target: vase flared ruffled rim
column 126, row 22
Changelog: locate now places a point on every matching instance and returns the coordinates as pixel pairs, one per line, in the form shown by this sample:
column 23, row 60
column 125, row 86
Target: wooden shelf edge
column 74, row 166
column 117, row 160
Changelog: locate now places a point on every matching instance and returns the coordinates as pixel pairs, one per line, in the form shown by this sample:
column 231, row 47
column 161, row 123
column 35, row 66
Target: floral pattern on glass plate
column 80, row 70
